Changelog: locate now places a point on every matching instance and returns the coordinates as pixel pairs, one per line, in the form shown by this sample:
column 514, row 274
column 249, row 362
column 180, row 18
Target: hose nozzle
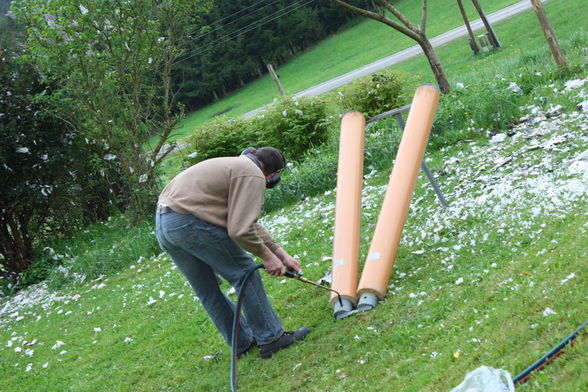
column 298, row 276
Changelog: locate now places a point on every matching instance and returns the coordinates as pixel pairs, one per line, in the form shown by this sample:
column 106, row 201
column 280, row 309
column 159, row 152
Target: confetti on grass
column 57, row 344
column 566, row 280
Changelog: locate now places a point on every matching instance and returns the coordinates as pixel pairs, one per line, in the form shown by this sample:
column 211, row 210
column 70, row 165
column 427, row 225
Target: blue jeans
column 200, row 250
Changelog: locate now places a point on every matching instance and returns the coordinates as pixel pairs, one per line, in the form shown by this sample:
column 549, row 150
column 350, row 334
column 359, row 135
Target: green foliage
column 310, row 177
column 49, row 186
column 374, row 94
column 292, row 125
column 221, row 137
column 470, row 109
column 112, row 61
column 97, row 250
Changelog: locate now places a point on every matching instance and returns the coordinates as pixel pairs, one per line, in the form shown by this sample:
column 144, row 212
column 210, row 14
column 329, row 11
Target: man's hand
column 290, row 262
column 272, row 264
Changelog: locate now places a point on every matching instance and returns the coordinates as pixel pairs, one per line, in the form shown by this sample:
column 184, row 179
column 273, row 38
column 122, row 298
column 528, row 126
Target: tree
column 114, row 59
column 48, row 184
column 549, row 34
column 237, row 38
column 473, row 43
column 406, row 27
column 491, row 34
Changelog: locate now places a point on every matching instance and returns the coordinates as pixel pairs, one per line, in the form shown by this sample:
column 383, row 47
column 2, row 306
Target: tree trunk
column 435, row 64
column 549, row 34
column 15, row 244
column 491, row 34
column 473, row 43
column 407, row 28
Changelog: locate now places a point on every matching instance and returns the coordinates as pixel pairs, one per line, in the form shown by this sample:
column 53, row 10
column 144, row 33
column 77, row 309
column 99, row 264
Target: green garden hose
column 235, row 336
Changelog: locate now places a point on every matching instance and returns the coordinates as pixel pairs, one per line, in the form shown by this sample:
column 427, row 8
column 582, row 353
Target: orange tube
column 347, row 207
column 382, row 252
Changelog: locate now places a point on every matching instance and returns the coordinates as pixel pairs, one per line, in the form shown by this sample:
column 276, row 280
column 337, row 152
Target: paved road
column 413, row 51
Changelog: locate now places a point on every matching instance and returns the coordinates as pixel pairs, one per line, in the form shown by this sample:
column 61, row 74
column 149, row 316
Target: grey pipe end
column 367, row 301
column 342, row 310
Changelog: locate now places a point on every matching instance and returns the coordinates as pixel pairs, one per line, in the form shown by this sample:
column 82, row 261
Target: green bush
column 100, row 249
column 221, row 137
column 50, row 187
column 292, row 125
column 374, row 94
column 470, row 109
column 310, row 177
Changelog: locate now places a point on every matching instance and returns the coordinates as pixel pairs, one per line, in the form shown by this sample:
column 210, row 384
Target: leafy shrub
column 100, row 249
column 469, row 109
column 50, row 187
column 307, row 178
column 374, row 94
column 292, row 125
column 221, row 137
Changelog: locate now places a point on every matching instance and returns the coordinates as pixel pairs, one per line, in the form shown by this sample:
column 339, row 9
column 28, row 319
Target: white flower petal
column 57, row 344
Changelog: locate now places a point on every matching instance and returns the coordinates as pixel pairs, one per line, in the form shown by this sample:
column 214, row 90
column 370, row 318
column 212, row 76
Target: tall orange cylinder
column 382, row 252
column 348, row 207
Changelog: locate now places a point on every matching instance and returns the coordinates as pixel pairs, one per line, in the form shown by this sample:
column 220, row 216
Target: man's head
column 272, row 159
column 272, row 163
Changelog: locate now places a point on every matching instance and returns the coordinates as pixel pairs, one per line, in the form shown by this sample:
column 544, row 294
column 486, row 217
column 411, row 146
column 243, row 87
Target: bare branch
column 380, row 18
column 398, row 14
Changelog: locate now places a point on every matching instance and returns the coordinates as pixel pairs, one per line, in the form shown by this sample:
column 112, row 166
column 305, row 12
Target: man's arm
column 280, row 253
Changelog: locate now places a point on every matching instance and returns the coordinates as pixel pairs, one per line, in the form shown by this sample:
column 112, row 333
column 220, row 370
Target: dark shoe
column 249, row 348
column 288, row 338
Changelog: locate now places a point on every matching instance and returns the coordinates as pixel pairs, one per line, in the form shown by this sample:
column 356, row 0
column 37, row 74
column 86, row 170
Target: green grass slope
column 360, row 45
column 497, row 278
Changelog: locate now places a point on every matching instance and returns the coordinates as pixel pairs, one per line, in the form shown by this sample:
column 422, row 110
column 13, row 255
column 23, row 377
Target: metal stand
column 367, row 301
column 397, row 113
column 342, row 309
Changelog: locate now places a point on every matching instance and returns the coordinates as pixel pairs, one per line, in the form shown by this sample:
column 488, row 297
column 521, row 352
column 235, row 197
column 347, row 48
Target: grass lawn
column 518, row 36
column 497, row 279
column 338, row 55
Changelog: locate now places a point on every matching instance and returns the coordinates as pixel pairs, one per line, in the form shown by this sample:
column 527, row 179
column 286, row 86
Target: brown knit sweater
column 226, row 192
